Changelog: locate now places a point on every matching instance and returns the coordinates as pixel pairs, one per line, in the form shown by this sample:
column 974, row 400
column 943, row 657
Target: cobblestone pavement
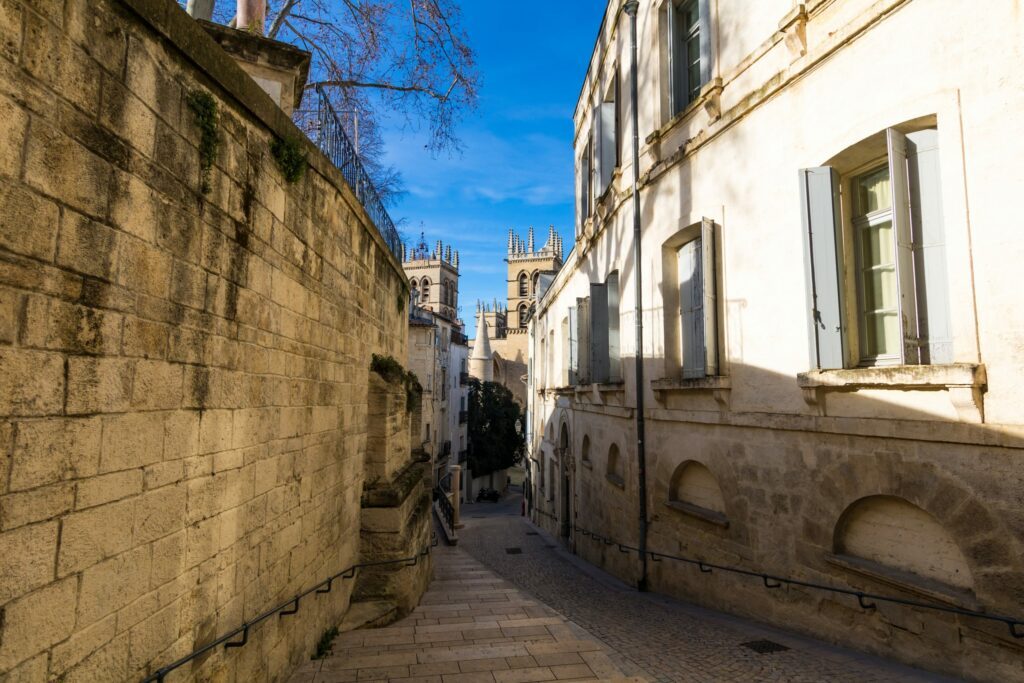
column 470, row 627
column 652, row 636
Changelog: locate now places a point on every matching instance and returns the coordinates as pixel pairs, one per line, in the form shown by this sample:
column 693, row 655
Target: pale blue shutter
column 614, row 350
column 574, row 351
column 904, row 246
column 691, row 301
column 598, row 160
column 598, row 333
column 608, row 146
column 677, row 99
column 819, row 209
column 704, row 10
column 929, row 240
column 709, row 289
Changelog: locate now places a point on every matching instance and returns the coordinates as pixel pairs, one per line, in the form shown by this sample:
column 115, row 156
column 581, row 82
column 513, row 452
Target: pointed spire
column 403, row 253
column 529, row 246
column 456, row 259
column 448, row 253
column 510, row 240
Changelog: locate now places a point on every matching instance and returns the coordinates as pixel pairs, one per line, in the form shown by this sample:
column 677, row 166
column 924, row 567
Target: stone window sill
column 718, row 386
column 965, row 383
column 587, row 463
column 906, row 581
column 616, row 481
column 698, row 512
column 603, row 388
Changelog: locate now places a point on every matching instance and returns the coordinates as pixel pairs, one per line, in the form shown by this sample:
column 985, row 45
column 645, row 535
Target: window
column 522, row 316
column 585, row 185
column 536, row 281
column 524, row 286
column 689, row 54
column 694, row 491
column 414, row 291
column 698, row 306
column 585, row 451
column 875, row 254
column 425, row 289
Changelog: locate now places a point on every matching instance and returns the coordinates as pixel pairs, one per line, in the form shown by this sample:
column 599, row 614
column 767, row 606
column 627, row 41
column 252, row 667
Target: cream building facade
column 438, row 351
column 833, row 334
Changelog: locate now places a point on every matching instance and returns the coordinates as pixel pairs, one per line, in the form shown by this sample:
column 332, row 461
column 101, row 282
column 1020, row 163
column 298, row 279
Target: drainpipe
column 630, row 8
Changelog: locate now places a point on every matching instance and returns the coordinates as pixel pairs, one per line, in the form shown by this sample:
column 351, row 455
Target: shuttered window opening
column 689, row 40
column 583, row 341
column 698, row 304
column 896, row 273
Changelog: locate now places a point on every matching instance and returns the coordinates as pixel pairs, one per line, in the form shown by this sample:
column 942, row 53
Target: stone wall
column 183, row 376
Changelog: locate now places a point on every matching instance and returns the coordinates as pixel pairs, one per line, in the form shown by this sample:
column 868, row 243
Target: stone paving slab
column 471, row 627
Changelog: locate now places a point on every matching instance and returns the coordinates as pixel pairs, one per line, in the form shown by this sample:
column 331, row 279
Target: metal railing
column 445, row 508
column 287, row 608
column 333, row 142
column 865, row 600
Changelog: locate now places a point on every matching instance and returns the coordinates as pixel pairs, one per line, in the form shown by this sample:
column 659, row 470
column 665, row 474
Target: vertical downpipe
column 630, row 8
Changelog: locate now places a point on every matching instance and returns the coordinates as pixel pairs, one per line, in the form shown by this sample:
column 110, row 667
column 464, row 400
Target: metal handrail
column 445, row 508
column 865, row 600
column 334, row 143
column 289, row 607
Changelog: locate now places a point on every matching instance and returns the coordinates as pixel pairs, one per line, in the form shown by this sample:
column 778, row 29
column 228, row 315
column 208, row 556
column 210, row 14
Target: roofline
column 593, row 51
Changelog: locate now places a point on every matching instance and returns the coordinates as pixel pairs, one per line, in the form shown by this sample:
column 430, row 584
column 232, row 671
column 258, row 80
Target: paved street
column 471, row 627
column 652, row 636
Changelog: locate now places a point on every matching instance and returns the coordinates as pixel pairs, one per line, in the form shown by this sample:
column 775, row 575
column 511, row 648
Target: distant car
column 487, row 494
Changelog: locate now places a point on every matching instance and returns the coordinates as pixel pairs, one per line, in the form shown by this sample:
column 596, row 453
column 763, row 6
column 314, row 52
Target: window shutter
column 709, row 285
column 574, row 351
column 598, row 154
column 930, row 271
column 608, row 146
column 691, row 301
column 583, row 345
column 904, row 245
column 819, row 204
column 675, row 59
column 598, row 333
column 704, row 9
column 614, row 349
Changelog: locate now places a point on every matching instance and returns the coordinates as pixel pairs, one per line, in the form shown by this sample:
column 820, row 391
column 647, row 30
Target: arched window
column 585, row 451
column 524, row 285
column 695, row 491
column 886, row 532
column 444, row 292
column 614, row 472
column 522, row 316
column 536, row 281
column 414, row 290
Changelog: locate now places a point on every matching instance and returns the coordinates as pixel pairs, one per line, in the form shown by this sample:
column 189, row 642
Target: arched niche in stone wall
column 896, row 538
column 695, row 491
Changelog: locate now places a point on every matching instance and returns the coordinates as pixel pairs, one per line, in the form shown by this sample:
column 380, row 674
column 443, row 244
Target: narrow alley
column 510, row 605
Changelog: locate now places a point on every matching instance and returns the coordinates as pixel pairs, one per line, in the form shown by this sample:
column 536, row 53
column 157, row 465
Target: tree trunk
column 252, row 16
column 200, row 9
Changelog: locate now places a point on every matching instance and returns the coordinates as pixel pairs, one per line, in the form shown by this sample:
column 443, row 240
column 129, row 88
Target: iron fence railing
column 865, row 600
column 335, row 144
column 287, row 608
column 445, row 508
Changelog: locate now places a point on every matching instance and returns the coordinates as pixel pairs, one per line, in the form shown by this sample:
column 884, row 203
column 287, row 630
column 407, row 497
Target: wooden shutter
column 608, row 146
column 598, row 157
column 709, row 288
column 929, row 244
column 819, row 204
column 583, row 330
column 599, row 369
column 691, row 313
column 675, row 100
column 903, row 234
column 614, row 349
column 704, row 10
column 574, row 351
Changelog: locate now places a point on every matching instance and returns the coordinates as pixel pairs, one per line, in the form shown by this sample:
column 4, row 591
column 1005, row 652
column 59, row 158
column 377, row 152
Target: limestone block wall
column 183, row 376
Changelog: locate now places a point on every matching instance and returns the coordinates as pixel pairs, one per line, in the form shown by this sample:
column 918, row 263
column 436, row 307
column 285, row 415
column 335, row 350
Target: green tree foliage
column 494, row 442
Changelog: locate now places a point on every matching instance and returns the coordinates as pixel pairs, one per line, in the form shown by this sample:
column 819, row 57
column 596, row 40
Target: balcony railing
column 334, row 143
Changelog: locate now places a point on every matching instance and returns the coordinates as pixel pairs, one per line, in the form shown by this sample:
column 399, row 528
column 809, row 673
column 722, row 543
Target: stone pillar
column 252, row 16
column 456, row 493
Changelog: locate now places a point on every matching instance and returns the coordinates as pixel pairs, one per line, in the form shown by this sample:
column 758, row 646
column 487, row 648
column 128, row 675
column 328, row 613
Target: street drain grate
column 514, row 551
column 531, row 533
column 765, row 646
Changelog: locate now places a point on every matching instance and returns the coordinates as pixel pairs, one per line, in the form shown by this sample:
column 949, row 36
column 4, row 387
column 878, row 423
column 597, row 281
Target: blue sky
column 516, row 165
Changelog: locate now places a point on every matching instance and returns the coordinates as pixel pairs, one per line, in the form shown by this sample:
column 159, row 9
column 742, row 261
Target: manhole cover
column 765, row 646
column 531, row 533
column 514, row 551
